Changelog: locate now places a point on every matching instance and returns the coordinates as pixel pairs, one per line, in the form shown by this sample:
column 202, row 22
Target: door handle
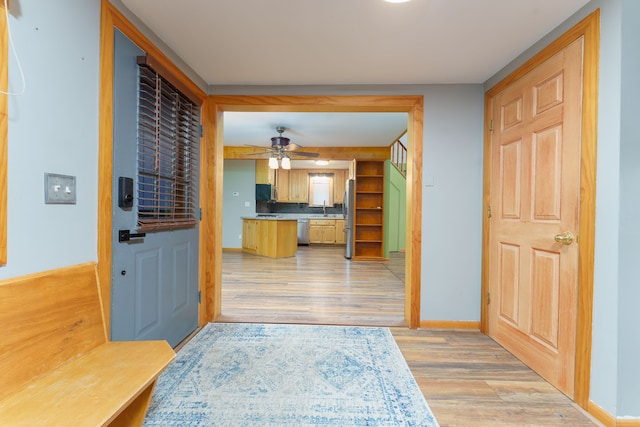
column 565, row 238
column 126, row 235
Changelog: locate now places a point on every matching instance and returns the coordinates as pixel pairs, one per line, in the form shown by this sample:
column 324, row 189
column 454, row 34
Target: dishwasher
column 303, row 231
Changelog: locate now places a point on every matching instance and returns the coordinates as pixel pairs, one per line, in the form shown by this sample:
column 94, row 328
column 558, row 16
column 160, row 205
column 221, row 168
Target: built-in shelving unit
column 369, row 210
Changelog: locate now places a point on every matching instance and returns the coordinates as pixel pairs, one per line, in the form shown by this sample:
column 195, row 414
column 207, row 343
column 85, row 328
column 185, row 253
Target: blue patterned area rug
column 289, row 375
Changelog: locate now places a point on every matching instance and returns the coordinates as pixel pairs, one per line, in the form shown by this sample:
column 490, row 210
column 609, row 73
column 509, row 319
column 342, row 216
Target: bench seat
column 91, row 390
column 57, row 365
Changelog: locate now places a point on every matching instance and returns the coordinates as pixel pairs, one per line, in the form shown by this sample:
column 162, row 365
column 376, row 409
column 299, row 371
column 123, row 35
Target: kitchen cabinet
column 369, row 211
column 322, row 231
column 339, row 179
column 263, row 173
column 298, row 186
column 340, row 234
column 249, row 234
column 282, row 185
column 272, row 237
column 292, row 185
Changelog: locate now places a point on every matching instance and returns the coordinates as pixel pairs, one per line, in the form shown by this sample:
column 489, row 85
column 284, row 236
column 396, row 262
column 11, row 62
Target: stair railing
column 399, row 155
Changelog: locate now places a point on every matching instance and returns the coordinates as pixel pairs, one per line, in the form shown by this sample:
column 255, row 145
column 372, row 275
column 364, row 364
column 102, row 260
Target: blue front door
column 154, row 278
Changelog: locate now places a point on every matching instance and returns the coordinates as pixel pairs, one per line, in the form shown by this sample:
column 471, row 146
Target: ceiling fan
column 282, row 147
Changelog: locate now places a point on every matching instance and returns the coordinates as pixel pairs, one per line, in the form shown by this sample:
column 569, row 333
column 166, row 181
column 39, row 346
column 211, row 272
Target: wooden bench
column 57, row 366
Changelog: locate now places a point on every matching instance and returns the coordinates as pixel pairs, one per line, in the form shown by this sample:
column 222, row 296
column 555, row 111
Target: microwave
column 265, row 192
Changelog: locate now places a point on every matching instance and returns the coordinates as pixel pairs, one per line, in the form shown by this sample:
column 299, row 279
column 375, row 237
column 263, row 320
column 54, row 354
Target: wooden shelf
column 369, row 210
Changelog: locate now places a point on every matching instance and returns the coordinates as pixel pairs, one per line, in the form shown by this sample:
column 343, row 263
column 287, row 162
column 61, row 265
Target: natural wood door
column 535, row 183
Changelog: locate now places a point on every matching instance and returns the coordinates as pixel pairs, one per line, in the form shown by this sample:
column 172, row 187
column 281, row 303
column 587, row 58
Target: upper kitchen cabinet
column 298, row 186
column 292, row 185
column 339, row 181
column 265, row 175
column 282, row 184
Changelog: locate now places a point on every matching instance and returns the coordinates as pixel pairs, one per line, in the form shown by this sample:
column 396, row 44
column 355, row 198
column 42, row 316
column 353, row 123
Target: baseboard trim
column 609, row 420
column 628, row 423
column 231, row 249
column 601, row 415
column 449, row 324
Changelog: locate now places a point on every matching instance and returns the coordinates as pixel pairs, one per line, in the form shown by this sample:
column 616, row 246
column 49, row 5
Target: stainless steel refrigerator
column 348, row 211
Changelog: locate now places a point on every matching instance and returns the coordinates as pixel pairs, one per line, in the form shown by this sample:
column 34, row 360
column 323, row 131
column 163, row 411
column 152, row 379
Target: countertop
column 272, row 217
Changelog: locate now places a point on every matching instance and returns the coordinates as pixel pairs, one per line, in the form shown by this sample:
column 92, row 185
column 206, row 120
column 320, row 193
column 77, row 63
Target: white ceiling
column 302, row 42
column 342, row 42
column 315, row 129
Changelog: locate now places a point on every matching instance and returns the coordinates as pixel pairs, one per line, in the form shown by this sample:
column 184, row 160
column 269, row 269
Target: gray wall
column 615, row 372
column 452, row 203
column 239, row 187
column 53, row 127
column 629, row 289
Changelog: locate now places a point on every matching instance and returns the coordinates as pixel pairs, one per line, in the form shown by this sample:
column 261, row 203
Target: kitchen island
column 270, row 236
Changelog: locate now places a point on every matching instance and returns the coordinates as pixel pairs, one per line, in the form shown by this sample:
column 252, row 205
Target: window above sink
column 321, row 189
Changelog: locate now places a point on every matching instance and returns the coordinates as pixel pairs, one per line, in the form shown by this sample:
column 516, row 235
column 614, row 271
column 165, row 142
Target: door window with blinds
column 168, row 153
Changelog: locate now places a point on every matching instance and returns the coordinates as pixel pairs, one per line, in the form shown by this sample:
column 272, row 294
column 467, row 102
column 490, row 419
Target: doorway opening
column 213, row 190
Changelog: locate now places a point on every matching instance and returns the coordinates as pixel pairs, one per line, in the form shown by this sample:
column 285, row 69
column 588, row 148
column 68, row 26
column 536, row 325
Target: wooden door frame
column 589, row 28
column 212, row 174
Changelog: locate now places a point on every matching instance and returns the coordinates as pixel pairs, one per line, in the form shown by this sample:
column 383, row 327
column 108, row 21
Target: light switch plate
column 59, row 189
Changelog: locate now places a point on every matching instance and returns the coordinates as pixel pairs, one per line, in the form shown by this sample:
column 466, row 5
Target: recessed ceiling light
column 397, row 1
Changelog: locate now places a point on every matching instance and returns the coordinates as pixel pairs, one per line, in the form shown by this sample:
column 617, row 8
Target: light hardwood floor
column 467, row 379
column 317, row 286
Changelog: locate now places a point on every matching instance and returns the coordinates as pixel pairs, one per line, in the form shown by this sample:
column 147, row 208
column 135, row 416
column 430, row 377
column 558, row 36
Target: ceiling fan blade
column 292, row 147
column 303, row 153
column 264, row 153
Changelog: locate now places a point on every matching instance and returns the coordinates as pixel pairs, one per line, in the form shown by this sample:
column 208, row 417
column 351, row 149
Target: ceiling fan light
column 273, row 163
column 286, row 163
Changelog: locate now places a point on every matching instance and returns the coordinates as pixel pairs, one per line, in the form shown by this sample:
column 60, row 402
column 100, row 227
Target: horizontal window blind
column 168, row 153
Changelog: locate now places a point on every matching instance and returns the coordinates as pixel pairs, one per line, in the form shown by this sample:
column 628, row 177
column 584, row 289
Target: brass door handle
column 565, row 238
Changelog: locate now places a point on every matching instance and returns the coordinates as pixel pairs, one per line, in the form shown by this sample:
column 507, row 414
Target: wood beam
column 325, row 153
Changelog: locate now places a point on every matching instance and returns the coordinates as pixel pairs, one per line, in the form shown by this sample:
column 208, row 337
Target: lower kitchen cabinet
column 340, row 234
column 250, row 234
column 327, row 231
column 275, row 238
